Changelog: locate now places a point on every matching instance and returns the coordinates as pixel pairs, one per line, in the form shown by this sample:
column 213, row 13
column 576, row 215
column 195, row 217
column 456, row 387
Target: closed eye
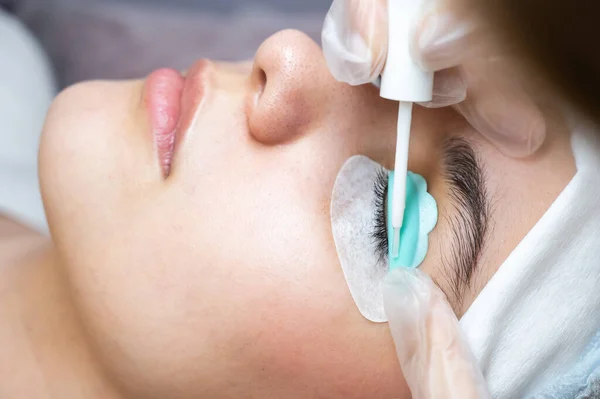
column 468, row 221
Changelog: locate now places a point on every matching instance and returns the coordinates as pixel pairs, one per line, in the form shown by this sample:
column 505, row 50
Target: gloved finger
column 494, row 104
column 498, row 106
column 355, row 40
column 443, row 38
column 449, row 88
column 442, row 41
column 434, row 357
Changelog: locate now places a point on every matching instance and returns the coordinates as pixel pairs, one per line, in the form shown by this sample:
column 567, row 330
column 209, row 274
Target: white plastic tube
column 402, row 78
column 405, row 81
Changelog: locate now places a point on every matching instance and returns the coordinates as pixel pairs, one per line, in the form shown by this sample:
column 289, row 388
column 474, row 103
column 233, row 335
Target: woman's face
column 215, row 274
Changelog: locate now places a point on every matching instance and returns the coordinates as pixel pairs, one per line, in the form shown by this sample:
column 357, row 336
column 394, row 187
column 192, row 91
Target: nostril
column 262, row 80
column 258, row 80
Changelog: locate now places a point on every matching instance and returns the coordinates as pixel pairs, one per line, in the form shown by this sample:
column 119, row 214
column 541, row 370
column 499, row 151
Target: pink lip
column 172, row 101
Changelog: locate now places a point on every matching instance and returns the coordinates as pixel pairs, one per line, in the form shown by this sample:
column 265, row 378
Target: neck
column 47, row 355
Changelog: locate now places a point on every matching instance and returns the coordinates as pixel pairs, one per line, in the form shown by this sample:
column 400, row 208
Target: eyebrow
column 469, row 224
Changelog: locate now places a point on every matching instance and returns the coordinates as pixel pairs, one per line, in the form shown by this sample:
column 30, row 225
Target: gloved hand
column 435, row 360
column 473, row 74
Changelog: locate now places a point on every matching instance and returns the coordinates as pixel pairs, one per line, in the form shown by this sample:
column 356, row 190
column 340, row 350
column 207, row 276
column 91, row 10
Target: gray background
column 113, row 39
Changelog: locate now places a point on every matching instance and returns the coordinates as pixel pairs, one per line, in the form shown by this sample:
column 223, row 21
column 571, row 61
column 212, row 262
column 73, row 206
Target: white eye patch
column 353, row 214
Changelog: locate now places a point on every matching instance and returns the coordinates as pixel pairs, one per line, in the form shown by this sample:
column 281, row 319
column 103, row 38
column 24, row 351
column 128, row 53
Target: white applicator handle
column 403, row 80
column 400, row 168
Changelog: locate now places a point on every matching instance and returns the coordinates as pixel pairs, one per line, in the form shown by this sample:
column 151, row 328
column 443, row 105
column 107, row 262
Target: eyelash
column 379, row 233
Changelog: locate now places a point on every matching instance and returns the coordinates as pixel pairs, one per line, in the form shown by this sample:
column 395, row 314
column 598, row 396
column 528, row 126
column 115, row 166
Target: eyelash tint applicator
column 405, row 81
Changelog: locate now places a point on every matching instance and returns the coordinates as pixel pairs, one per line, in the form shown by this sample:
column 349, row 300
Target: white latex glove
column 434, row 357
column 473, row 74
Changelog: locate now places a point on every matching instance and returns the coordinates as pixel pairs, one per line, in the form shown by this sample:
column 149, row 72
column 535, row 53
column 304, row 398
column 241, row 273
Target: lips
column 172, row 101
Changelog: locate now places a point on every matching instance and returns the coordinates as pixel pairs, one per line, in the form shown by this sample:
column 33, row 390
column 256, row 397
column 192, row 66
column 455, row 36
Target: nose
column 292, row 84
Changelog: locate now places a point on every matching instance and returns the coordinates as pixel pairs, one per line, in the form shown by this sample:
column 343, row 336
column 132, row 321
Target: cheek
column 308, row 333
column 265, row 320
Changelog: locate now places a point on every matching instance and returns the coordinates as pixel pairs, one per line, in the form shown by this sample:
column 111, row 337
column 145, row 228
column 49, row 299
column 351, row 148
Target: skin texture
column 222, row 280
